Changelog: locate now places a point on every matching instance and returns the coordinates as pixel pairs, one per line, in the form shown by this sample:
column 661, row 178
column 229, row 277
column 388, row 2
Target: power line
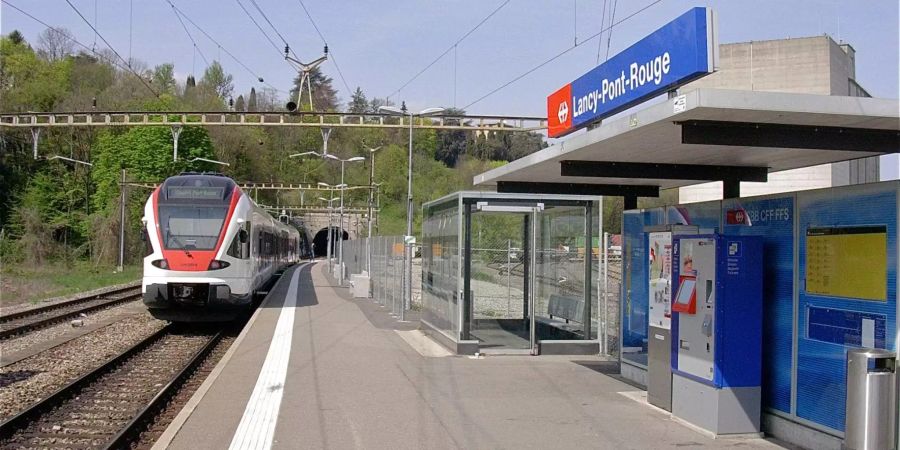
column 178, row 16
column 72, row 38
column 250, row 16
column 458, row 41
column 110, row 47
column 602, row 23
column 220, row 46
column 266, row 18
column 609, row 35
column 555, row 57
column 324, row 41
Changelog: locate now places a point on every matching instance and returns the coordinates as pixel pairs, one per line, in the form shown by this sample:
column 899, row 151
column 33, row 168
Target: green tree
column 239, row 104
column 251, row 101
column 164, row 78
column 16, row 37
column 358, row 103
column 324, row 94
column 215, row 79
column 29, row 83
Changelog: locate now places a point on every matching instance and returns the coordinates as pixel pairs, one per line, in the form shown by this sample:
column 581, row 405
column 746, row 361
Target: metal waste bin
column 871, row 381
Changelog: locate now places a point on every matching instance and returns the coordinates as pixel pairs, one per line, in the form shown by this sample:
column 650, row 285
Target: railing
column 267, row 119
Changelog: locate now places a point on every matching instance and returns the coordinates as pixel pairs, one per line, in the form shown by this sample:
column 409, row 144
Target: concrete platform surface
column 351, row 381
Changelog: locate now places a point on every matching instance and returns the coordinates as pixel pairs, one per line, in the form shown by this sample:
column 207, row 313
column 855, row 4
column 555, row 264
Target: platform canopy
column 706, row 135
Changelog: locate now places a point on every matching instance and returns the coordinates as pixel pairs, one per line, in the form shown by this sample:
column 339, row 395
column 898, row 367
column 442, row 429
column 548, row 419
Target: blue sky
column 380, row 45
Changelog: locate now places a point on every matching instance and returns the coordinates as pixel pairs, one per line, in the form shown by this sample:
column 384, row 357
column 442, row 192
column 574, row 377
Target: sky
column 379, row 46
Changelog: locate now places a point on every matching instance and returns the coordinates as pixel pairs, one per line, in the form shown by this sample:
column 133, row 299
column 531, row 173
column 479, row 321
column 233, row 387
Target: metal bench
column 564, row 307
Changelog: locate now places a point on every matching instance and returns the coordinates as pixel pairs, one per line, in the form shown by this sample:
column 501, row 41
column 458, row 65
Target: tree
column 16, row 37
column 324, row 95
column 215, row 78
column 55, row 44
column 251, row 101
column 358, row 103
column 239, row 104
column 164, row 78
column 190, row 82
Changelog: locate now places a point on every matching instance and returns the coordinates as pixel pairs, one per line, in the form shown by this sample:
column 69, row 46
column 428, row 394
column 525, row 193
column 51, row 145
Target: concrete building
column 809, row 65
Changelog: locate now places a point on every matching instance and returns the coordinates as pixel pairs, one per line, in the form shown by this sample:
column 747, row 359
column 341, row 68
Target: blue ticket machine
column 717, row 332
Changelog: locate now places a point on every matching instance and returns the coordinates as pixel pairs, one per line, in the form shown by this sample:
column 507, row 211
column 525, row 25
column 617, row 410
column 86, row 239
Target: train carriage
column 210, row 249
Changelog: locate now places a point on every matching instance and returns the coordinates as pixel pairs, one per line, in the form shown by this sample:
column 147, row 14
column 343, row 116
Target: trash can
column 870, row 413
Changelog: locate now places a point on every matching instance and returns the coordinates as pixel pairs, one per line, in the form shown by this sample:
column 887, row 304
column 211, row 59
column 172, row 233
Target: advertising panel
column 660, row 248
column 680, row 51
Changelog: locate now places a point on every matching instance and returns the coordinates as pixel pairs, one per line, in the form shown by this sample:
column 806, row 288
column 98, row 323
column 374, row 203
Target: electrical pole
column 121, row 265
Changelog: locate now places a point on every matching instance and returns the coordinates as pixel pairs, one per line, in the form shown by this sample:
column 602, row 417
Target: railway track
column 25, row 321
column 110, row 406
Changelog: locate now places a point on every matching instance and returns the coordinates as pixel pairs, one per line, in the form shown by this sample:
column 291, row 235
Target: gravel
column 25, row 341
column 29, row 380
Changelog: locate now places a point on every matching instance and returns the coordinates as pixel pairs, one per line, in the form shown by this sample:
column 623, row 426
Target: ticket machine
column 659, row 346
column 717, row 332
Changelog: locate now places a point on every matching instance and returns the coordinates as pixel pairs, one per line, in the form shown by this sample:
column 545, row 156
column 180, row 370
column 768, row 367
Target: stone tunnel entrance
column 320, row 241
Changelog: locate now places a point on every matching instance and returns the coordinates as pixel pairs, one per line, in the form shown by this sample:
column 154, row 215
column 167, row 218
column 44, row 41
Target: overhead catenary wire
column 219, row 45
column 266, row 35
column 72, row 38
column 188, row 32
column 287, row 47
column 451, row 47
column 331, row 51
column 612, row 18
column 100, row 35
column 602, row 24
column 560, row 54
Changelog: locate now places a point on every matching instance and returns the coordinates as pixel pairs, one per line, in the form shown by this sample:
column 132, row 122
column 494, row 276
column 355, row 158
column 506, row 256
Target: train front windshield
column 191, row 227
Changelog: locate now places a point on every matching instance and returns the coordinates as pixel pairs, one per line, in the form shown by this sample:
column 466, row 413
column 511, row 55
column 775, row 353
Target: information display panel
column 847, row 262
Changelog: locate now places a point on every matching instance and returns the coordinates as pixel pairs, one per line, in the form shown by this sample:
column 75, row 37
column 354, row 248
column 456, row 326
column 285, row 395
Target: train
column 210, row 249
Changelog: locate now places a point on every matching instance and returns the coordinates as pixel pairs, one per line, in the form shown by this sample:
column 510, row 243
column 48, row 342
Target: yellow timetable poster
column 847, row 262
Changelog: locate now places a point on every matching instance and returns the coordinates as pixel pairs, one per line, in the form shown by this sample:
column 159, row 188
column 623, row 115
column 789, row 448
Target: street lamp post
column 407, row 254
column 341, row 215
column 328, row 235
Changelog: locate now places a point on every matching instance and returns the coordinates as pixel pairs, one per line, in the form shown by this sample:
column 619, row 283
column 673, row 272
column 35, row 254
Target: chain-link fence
column 387, row 274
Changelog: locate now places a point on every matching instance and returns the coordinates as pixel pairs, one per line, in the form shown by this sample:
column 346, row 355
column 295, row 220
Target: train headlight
column 216, row 264
column 161, row 263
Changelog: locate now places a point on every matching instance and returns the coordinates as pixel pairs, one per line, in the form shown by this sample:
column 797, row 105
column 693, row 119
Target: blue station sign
column 681, row 51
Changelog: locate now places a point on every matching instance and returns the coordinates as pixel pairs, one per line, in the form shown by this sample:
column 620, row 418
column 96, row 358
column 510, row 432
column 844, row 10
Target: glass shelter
column 511, row 273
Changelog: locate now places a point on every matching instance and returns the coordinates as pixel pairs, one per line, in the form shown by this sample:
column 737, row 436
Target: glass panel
column 440, row 267
column 560, row 275
column 191, row 227
column 498, row 281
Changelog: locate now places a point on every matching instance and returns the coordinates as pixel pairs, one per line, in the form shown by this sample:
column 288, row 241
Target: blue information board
column 844, row 327
column 680, row 51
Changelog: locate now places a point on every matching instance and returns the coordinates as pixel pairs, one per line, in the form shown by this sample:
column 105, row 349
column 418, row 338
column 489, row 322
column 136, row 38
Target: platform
column 336, row 373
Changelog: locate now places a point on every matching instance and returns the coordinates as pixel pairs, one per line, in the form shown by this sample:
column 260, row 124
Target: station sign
column 679, row 52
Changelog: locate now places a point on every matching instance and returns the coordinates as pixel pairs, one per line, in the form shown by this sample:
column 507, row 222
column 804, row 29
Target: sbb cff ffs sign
column 681, row 51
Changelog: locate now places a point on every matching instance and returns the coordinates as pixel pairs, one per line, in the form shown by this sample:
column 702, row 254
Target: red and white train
column 210, row 249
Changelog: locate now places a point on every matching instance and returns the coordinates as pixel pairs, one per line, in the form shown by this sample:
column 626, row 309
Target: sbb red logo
column 559, row 112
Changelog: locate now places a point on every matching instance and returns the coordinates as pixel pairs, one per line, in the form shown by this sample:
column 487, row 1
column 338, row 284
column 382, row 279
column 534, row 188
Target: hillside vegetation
column 52, row 211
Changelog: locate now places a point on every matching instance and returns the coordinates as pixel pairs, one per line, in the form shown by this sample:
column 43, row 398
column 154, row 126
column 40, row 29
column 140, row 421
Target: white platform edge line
column 165, row 440
column 256, row 429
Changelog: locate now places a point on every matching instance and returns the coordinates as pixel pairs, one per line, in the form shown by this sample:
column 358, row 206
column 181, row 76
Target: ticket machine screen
column 686, row 291
column 686, row 297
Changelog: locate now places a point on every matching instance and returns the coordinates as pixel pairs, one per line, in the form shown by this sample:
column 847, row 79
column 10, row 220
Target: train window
column 191, row 227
